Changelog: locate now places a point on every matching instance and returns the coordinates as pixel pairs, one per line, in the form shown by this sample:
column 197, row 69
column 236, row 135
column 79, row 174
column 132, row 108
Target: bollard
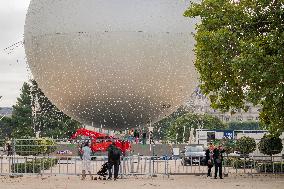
column 75, row 165
column 26, row 159
column 1, row 159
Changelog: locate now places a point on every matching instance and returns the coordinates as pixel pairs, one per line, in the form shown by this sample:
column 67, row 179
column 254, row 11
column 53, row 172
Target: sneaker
column 109, row 178
column 215, row 177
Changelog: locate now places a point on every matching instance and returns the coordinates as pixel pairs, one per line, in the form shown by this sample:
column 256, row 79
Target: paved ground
column 178, row 182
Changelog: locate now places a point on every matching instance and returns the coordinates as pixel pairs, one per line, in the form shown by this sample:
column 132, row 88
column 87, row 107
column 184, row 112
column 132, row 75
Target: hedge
column 34, row 166
column 268, row 167
column 238, row 163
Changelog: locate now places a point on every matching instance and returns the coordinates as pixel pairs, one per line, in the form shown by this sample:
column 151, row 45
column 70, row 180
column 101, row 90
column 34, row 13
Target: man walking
column 114, row 154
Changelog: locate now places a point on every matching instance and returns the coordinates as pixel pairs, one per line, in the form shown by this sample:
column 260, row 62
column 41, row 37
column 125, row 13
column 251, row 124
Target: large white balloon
column 116, row 63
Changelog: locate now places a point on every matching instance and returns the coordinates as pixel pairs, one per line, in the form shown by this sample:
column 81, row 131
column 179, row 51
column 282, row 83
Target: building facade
column 200, row 104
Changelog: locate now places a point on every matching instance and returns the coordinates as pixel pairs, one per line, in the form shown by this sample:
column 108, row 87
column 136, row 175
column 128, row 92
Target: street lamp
column 3, row 115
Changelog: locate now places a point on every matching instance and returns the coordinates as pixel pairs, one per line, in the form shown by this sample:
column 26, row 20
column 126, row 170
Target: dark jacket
column 207, row 154
column 218, row 154
column 111, row 158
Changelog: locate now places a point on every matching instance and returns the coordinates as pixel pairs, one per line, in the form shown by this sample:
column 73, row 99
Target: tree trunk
column 245, row 163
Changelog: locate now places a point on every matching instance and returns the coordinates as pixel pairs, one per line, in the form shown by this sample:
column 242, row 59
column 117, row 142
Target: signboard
column 229, row 134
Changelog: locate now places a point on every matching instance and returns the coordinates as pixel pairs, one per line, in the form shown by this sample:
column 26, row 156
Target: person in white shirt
column 86, row 164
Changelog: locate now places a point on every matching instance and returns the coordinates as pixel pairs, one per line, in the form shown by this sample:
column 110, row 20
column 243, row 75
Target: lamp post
column 3, row 115
column 150, row 128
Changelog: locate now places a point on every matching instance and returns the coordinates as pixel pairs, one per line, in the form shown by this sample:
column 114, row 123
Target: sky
column 13, row 67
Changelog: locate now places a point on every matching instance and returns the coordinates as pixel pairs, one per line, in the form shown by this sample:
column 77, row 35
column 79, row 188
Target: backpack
column 115, row 154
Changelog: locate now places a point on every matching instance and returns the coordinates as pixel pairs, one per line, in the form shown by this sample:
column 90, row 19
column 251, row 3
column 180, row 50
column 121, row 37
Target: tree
column 249, row 125
column 240, row 54
column 246, row 145
column 179, row 130
column 34, row 113
column 270, row 145
column 5, row 127
column 161, row 127
column 48, row 120
column 229, row 145
column 22, row 115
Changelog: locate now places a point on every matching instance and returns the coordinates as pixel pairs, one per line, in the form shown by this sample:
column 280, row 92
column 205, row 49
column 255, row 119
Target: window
column 227, row 118
column 239, row 118
column 249, row 118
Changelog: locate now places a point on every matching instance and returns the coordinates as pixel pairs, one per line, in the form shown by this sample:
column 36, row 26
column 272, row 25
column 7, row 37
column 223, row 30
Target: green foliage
column 6, row 128
column 34, row 166
column 48, row 119
column 277, row 167
column 34, row 113
column 229, row 145
column 246, row 145
column 179, row 130
column 22, row 115
column 259, row 166
column 270, row 144
column 35, row 147
column 161, row 127
column 238, row 163
column 249, row 125
column 239, row 55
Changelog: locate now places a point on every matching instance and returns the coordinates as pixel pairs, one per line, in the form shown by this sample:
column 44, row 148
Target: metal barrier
column 135, row 165
column 71, row 165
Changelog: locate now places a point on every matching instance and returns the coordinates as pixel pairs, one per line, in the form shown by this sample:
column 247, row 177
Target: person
column 218, row 159
column 136, row 136
column 80, row 152
column 114, row 154
column 144, row 137
column 209, row 158
column 86, row 164
column 151, row 137
column 131, row 135
column 9, row 149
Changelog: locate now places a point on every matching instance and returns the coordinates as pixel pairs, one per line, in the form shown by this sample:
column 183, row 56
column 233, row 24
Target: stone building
column 200, row 104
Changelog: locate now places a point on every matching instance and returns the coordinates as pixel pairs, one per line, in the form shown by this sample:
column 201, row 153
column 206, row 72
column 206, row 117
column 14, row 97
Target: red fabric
column 86, row 132
column 99, row 142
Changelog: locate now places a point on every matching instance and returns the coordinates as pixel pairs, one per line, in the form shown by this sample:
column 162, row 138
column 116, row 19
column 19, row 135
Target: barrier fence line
column 135, row 165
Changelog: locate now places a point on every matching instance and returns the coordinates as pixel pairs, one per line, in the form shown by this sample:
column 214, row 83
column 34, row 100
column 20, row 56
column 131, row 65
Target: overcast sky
column 13, row 68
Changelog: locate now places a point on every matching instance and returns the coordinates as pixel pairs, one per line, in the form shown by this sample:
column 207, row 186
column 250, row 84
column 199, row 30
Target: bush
column 34, row 166
column 246, row 145
column 238, row 164
column 35, row 146
column 268, row 167
column 270, row 145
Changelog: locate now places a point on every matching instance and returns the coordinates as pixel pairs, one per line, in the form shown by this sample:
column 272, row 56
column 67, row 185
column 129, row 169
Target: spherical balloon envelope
column 116, row 64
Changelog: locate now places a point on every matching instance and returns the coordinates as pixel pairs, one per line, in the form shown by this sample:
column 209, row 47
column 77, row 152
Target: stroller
column 103, row 171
